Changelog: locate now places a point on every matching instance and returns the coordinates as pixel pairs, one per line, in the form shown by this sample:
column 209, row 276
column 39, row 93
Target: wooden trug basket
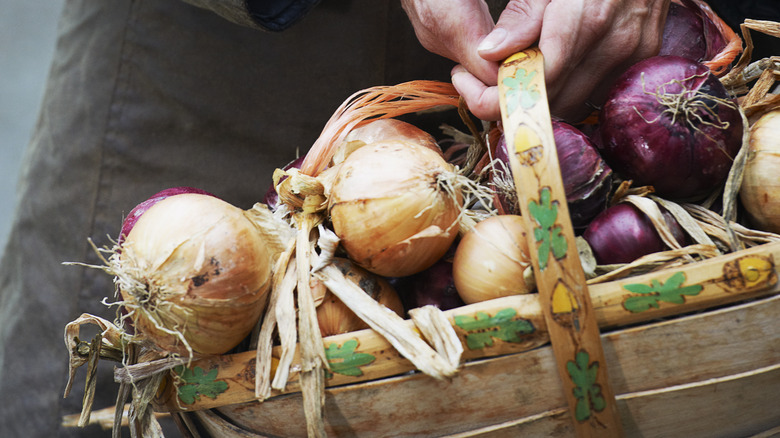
column 699, row 358
column 705, row 363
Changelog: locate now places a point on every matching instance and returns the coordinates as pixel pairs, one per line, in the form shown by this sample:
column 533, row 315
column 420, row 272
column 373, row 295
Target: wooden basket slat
column 722, row 281
column 647, row 360
column 741, row 406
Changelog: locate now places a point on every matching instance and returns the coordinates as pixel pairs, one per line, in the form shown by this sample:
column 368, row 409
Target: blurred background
column 28, row 32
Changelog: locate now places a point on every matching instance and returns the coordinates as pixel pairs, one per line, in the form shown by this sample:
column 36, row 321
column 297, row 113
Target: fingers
column 453, row 29
column 517, row 28
column 600, row 43
column 481, row 99
column 586, row 44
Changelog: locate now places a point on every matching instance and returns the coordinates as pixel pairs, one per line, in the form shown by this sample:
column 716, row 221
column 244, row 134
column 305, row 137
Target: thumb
column 518, row 27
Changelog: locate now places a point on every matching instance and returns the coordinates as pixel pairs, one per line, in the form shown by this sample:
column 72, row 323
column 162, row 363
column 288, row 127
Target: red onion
column 434, row 286
column 501, row 180
column 668, row 122
column 587, row 179
column 623, row 233
column 140, row 209
column 690, row 33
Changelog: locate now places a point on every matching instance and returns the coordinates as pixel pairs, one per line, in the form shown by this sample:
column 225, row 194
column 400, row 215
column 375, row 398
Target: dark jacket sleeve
column 270, row 15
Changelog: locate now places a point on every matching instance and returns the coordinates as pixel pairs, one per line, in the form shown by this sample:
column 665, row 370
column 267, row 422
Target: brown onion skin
column 643, row 143
column 622, row 234
column 129, row 222
column 204, row 269
column 271, row 198
column 760, row 190
column 382, row 130
column 492, row 260
column 388, row 210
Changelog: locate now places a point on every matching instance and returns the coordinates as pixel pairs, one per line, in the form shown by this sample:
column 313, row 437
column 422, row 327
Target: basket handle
column 563, row 292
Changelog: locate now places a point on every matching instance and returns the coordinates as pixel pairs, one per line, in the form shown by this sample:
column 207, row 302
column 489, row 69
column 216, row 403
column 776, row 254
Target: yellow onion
column 335, row 317
column 492, row 260
column 380, row 130
column 193, row 273
column 394, row 207
column 760, row 190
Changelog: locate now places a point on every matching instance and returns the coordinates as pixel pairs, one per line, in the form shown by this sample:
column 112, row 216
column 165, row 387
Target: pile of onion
column 760, row 189
column 334, row 317
column 394, row 207
column 193, row 271
column 587, row 178
column 669, row 123
column 492, row 260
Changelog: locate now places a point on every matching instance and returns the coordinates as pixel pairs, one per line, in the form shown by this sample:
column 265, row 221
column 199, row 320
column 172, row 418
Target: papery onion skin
column 334, row 317
column 587, row 178
column 129, row 222
column 623, row 233
column 506, row 194
column 203, row 269
column 683, row 34
column 271, row 198
column 389, row 211
column 760, row 190
column 492, row 260
column 690, row 32
column 683, row 158
column 382, row 130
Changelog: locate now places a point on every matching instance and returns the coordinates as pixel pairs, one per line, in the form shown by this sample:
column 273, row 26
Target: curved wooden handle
column 563, row 293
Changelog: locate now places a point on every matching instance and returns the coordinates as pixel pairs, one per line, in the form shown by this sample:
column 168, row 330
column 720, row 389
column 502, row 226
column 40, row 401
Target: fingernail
column 458, row 69
column 492, row 40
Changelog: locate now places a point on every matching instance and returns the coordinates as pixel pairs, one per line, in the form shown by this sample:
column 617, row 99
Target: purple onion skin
column 587, row 178
column 622, row 234
column 684, row 34
column 682, row 158
column 434, row 286
column 690, row 33
column 271, row 198
column 140, row 209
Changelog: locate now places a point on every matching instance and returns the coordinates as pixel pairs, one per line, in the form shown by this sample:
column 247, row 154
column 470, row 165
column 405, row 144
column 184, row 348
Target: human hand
column 454, row 29
column 587, row 44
